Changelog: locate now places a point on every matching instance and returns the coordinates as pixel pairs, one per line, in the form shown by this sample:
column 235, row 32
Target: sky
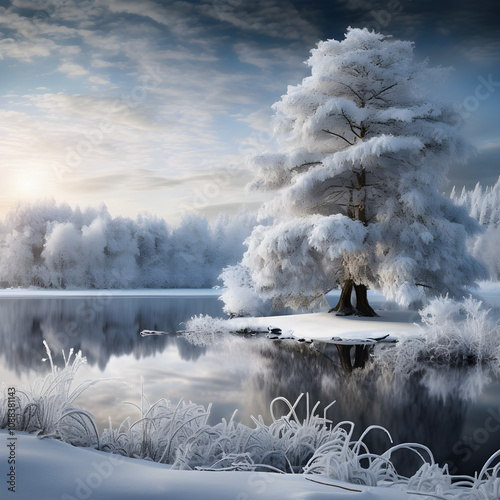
column 155, row 105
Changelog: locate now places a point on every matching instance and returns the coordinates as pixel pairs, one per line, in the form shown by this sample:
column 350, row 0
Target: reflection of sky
column 215, row 377
column 437, row 408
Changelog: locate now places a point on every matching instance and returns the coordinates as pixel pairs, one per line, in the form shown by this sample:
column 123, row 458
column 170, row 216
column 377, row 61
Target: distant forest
column 47, row 245
column 484, row 205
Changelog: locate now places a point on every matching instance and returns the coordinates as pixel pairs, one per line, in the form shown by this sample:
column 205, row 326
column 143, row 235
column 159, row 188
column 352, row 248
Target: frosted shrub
column 453, row 333
column 158, row 434
column 240, row 296
column 460, row 332
column 204, row 330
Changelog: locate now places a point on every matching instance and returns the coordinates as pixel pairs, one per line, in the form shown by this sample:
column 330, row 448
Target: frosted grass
column 46, row 407
column 180, row 435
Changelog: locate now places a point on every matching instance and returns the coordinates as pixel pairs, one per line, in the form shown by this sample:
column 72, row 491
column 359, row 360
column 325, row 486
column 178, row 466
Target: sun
column 29, row 183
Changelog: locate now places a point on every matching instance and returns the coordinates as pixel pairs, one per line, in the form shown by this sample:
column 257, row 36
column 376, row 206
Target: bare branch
column 338, row 135
column 377, row 95
column 352, row 126
column 425, row 286
column 352, row 90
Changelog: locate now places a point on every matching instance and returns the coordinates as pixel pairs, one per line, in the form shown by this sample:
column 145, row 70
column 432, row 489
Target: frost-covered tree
column 363, row 154
column 484, row 205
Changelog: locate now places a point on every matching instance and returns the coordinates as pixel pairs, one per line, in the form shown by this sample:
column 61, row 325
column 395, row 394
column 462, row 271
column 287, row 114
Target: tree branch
column 307, row 164
column 425, row 286
column 338, row 135
column 375, row 96
column 351, row 125
column 353, row 91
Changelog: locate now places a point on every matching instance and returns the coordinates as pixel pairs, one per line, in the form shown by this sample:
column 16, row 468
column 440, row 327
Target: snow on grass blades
column 46, row 408
column 179, row 435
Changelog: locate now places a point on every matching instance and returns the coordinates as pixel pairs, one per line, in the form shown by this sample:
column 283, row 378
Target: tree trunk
column 345, row 357
column 363, row 308
column 344, row 306
column 362, row 355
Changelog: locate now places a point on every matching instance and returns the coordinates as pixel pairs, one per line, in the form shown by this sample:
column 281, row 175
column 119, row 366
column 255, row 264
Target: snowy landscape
column 337, row 335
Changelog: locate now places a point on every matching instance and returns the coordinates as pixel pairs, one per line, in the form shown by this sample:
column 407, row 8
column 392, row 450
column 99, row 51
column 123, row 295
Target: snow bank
column 50, row 470
column 314, row 326
column 398, row 323
column 318, row 326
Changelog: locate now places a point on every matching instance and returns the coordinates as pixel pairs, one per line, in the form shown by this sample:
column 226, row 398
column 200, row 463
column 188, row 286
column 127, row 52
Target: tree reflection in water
column 101, row 326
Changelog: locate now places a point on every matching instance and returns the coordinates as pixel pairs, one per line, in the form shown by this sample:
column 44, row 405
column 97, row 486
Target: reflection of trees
column 366, row 397
column 100, row 326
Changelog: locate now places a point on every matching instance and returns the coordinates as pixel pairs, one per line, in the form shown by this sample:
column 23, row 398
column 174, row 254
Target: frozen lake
column 454, row 412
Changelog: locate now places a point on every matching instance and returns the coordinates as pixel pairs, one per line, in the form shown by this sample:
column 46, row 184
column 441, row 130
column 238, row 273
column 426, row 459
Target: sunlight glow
column 29, row 183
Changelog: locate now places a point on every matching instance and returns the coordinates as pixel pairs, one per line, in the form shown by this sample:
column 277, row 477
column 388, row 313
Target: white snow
column 398, row 323
column 401, row 323
column 325, row 326
column 49, row 470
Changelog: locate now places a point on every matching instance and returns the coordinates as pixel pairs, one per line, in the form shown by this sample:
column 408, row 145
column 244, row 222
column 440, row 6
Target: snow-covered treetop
column 363, row 89
column 482, row 203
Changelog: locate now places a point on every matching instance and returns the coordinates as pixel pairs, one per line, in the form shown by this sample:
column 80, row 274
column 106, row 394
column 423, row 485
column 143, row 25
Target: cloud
column 488, row 145
column 72, row 70
column 24, row 51
column 260, row 119
column 278, row 19
column 156, row 97
column 99, row 80
column 98, row 62
column 95, row 111
column 290, row 56
column 98, row 184
column 223, row 178
column 485, row 52
column 177, row 16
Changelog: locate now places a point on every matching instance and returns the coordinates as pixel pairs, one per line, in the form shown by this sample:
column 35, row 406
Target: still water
column 454, row 412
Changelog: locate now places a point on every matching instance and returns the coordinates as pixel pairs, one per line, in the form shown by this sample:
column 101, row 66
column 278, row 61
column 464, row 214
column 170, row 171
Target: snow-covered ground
column 392, row 322
column 51, row 470
column 325, row 326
